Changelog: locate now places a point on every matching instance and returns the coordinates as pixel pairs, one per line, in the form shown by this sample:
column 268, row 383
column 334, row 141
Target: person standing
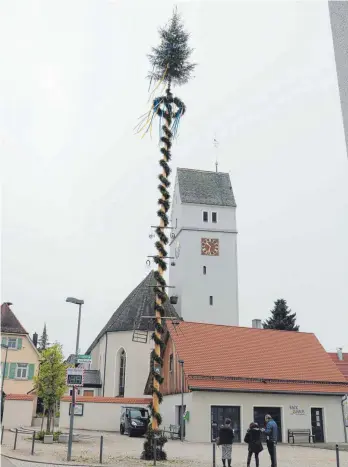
column 225, row 440
column 271, row 432
column 253, row 438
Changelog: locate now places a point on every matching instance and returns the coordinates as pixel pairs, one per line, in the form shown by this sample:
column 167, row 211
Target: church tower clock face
column 210, row 246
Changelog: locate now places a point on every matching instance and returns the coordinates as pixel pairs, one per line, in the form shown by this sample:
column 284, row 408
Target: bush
column 40, row 435
column 148, row 453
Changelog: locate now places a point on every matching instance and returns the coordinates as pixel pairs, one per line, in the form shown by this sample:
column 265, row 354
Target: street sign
column 74, row 376
column 84, row 359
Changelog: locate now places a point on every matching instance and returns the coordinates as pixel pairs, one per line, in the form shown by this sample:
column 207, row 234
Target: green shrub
column 40, row 435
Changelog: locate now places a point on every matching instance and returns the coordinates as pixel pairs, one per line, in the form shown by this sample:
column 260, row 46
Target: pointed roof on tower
column 9, row 322
column 204, row 187
column 140, row 302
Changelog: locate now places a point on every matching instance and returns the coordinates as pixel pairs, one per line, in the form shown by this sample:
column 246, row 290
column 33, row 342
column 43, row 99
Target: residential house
column 19, row 352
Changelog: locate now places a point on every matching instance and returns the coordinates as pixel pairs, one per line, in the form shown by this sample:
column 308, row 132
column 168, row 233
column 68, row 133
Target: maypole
column 170, row 66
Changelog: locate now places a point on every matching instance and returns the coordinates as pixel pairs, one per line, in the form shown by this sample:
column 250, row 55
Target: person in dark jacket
column 271, row 432
column 225, row 440
column 253, row 438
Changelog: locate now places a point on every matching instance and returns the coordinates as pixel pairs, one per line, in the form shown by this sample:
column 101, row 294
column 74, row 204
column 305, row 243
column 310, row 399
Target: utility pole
column 182, row 421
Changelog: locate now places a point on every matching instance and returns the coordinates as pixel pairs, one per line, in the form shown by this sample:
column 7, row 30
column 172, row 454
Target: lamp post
column 3, row 346
column 78, row 302
column 182, row 421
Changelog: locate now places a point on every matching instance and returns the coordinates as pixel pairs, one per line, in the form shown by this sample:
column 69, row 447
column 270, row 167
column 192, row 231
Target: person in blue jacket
column 271, row 431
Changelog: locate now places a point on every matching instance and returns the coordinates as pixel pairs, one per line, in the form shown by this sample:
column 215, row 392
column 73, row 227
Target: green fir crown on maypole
column 170, row 67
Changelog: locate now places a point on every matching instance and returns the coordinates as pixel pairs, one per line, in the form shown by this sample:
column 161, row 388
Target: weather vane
column 216, row 145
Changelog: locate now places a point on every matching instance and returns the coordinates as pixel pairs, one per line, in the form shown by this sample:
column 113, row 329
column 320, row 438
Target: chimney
column 35, row 336
column 256, row 324
column 340, row 353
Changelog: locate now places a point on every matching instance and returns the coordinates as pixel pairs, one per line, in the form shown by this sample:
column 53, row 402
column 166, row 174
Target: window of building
column 210, row 300
column 205, row 216
column 204, row 270
column 214, row 217
column 122, row 380
column 171, row 362
column 22, row 371
column 12, row 343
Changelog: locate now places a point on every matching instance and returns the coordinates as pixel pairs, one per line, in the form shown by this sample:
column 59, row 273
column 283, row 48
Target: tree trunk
column 48, row 426
column 43, row 417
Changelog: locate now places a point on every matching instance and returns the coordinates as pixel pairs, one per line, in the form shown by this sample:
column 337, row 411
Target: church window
column 214, row 217
column 122, row 379
column 210, row 300
column 171, row 362
column 204, row 270
column 205, row 216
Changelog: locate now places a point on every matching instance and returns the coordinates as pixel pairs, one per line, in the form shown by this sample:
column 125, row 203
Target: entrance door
column 218, row 417
column 276, row 414
column 317, row 424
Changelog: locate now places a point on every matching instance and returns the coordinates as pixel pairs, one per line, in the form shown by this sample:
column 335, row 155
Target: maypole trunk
column 162, row 241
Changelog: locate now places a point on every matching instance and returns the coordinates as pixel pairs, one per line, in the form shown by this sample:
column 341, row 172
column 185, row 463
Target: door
column 218, row 417
column 88, row 393
column 317, row 424
column 275, row 413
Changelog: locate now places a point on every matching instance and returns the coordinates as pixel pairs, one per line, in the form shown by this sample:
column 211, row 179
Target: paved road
column 5, row 462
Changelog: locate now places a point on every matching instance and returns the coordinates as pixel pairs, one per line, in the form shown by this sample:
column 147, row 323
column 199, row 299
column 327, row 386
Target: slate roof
column 9, row 322
column 140, row 302
column 258, row 360
column 342, row 365
column 202, row 187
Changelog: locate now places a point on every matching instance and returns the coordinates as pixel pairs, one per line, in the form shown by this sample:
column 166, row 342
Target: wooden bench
column 173, row 432
column 300, row 431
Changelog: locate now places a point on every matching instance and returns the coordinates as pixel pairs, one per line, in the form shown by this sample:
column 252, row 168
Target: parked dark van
column 134, row 421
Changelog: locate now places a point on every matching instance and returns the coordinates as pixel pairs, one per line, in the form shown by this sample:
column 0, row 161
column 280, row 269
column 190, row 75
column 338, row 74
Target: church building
column 203, row 274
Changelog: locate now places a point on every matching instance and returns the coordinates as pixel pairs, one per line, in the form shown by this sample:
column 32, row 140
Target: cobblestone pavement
column 122, row 451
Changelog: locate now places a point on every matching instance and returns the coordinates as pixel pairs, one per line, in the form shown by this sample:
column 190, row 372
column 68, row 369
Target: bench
column 300, row 431
column 173, row 432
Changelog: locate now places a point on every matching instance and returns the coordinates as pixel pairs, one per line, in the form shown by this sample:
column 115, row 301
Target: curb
column 35, row 461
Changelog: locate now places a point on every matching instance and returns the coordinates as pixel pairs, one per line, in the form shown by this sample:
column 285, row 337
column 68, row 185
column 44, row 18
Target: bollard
column 337, row 456
column 154, row 450
column 33, row 444
column 2, row 433
column 214, row 453
column 15, row 441
column 101, row 449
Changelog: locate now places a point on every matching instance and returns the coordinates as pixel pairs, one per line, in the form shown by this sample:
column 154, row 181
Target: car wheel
column 122, row 429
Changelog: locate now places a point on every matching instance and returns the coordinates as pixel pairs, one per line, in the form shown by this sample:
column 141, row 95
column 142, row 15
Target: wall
column 99, row 413
column 220, row 281
column 169, row 411
column 26, row 354
column 137, row 364
column 200, row 413
column 172, row 379
column 18, row 410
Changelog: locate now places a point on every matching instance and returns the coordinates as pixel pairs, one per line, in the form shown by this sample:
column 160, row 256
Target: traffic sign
column 74, row 376
column 84, row 359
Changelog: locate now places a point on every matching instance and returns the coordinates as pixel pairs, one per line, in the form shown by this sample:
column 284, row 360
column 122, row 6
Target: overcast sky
column 79, row 188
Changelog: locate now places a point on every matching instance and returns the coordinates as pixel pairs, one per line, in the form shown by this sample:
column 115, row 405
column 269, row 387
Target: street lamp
column 78, row 302
column 182, row 421
column 3, row 346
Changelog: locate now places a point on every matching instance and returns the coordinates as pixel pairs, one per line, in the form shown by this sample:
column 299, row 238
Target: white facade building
column 205, row 273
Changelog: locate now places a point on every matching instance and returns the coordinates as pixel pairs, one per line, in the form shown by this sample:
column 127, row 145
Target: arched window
column 122, row 378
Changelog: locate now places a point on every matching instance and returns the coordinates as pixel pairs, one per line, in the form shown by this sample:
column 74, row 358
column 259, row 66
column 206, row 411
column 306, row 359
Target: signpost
column 75, row 376
column 84, row 359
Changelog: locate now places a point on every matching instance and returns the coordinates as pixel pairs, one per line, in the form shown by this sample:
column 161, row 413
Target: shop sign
column 296, row 410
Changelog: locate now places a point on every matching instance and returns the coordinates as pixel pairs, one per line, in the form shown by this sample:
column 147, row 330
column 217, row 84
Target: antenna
column 216, row 145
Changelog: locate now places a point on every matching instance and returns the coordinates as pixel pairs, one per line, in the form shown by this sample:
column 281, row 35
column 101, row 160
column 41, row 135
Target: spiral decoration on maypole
column 170, row 66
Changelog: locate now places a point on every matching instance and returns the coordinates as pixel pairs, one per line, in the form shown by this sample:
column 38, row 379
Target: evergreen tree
column 282, row 318
column 43, row 341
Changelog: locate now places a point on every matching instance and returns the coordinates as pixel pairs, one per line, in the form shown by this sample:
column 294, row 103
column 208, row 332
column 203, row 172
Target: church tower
column 204, row 248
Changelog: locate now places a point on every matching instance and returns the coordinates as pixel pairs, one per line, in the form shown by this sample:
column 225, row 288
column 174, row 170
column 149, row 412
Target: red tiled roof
column 342, row 365
column 210, row 350
column 9, row 322
column 110, row 400
column 19, row 397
